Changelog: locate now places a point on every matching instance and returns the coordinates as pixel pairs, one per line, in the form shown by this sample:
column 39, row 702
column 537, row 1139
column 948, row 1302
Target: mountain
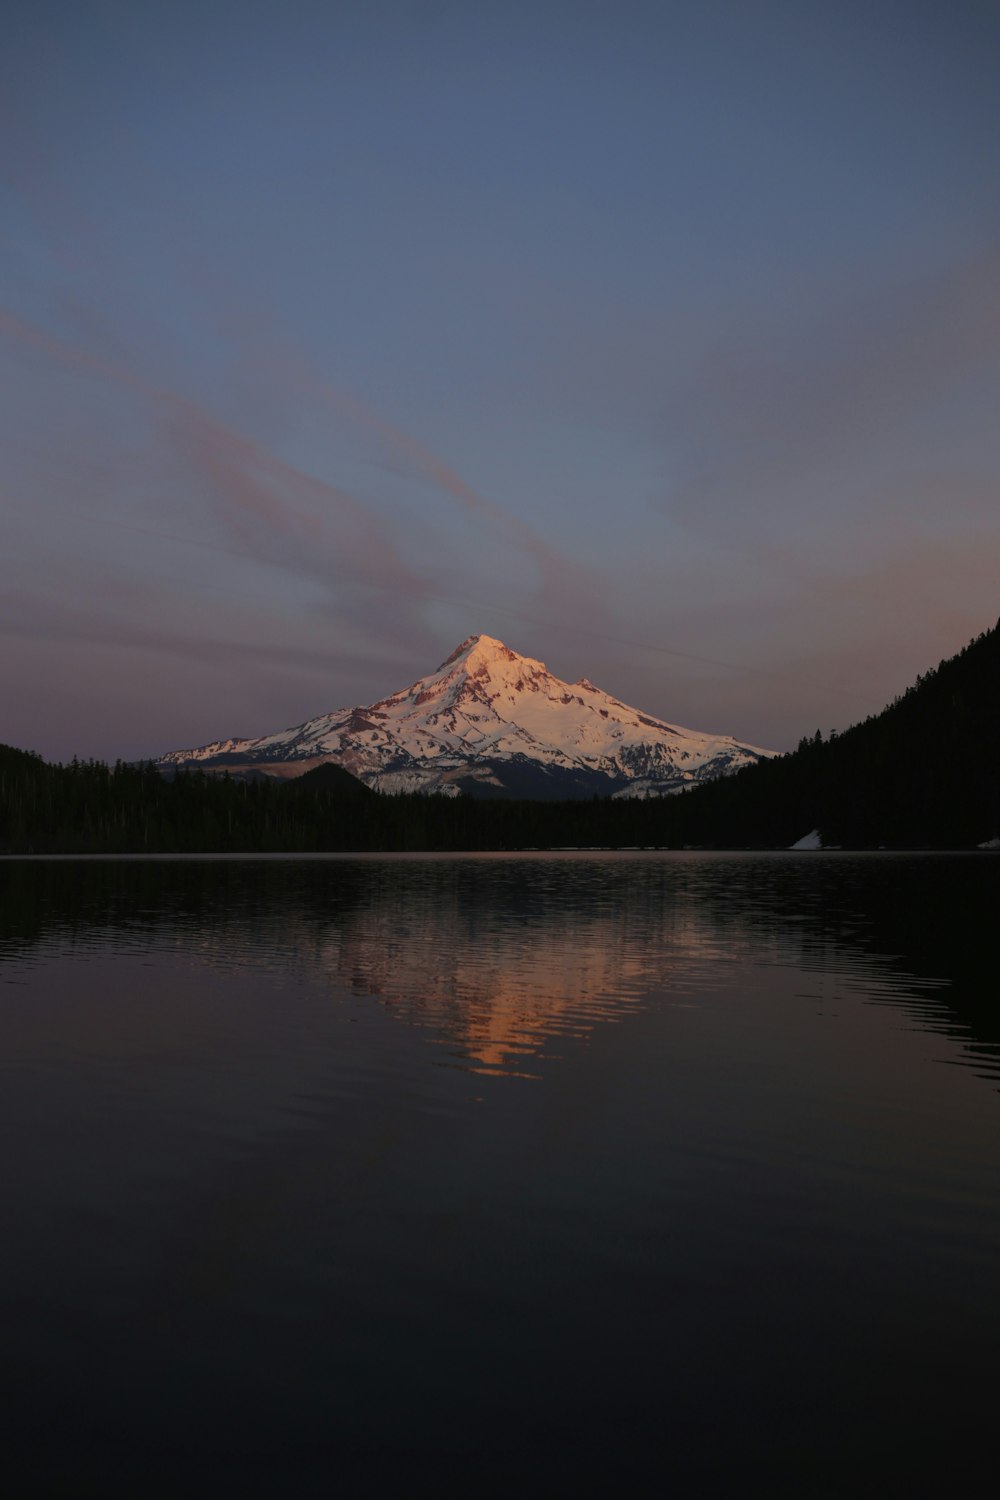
column 489, row 722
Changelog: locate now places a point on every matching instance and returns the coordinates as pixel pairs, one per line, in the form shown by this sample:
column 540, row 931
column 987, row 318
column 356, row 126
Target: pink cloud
column 251, row 483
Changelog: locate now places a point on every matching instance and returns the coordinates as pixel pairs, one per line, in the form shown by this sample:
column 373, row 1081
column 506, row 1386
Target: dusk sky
column 661, row 341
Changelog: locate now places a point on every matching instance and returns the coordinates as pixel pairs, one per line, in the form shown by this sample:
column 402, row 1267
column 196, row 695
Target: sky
column 661, row 341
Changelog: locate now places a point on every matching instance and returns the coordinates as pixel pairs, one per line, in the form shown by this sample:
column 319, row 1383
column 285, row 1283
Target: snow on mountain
column 490, row 722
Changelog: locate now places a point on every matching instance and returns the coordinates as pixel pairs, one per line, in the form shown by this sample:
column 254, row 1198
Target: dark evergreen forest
column 924, row 773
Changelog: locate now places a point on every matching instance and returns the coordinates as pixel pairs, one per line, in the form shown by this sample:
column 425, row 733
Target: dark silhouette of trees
column 924, row 773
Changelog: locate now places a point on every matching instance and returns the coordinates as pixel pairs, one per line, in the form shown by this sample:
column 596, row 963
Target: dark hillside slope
column 89, row 807
column 331, row 779
column 924, row 773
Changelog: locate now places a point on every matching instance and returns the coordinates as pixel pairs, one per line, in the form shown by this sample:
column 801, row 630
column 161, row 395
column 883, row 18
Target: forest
column 923, row 773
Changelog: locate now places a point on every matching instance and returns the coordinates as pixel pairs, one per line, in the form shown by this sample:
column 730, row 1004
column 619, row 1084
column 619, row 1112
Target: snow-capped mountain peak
column 480, row 650
column 491, row 720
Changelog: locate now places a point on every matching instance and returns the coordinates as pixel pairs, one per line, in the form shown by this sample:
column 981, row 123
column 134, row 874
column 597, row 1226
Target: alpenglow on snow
column 490, row 722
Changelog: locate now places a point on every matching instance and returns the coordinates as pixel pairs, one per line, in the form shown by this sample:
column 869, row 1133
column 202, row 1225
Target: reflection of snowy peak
column 489, row 721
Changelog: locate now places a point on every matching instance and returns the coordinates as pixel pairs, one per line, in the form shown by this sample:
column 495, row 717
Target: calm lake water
column 649, row 1174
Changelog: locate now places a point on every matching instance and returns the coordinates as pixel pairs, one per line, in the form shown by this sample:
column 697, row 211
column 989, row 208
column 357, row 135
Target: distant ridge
column 490, row 722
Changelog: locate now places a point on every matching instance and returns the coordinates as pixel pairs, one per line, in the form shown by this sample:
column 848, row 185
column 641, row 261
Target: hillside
column 923, row 773
column 89, row 807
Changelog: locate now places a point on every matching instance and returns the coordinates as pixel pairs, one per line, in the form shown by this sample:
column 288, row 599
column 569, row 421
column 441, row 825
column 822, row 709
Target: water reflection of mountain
column 497, row 989
column 500, row 958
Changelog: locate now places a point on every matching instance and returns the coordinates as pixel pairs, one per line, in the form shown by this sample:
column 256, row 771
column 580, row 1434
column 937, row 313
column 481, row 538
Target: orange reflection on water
column 498, row 992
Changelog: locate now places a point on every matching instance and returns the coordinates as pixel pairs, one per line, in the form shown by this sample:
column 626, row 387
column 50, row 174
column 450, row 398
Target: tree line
column 924, row 773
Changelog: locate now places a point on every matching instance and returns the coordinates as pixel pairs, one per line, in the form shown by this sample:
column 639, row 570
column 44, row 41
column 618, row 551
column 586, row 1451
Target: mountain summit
column 488, row 722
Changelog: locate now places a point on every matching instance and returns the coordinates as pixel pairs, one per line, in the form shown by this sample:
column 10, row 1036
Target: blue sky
column 661, row 341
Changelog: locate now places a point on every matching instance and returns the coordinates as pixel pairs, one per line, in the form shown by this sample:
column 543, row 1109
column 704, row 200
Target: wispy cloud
column 247, row 482
column 28, row 615
column 564, row 582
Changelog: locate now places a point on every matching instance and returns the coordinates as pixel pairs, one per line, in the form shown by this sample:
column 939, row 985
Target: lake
column 666, row 1174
